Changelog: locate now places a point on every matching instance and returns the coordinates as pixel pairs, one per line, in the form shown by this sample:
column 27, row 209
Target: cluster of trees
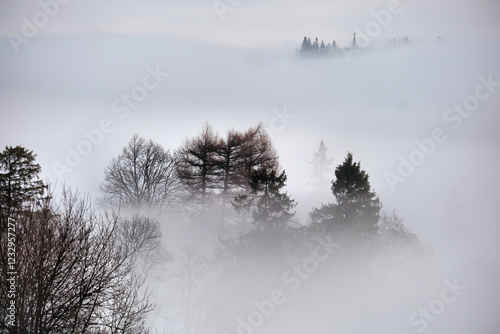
column 77, row 271
column 370, row 245
column 228, row 178
column 398, row 41
column 198, row 180
column 66, row 269
column 315, row 47
column 208, row 164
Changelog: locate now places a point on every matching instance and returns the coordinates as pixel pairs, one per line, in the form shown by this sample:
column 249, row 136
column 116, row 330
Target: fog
column 239, row 67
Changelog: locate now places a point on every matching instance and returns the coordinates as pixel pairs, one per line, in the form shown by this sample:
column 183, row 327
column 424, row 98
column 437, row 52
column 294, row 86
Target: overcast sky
column 235, row 65
column 256, row 22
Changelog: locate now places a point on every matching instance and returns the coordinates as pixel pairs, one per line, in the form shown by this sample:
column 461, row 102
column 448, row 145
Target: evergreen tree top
column 19, row 178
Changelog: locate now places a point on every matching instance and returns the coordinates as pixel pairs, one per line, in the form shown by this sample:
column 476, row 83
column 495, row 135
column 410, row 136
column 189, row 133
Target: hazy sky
column 235, row 66
column 257, row 22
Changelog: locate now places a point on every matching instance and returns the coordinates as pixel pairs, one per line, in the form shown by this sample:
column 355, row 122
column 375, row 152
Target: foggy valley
column 211, row 167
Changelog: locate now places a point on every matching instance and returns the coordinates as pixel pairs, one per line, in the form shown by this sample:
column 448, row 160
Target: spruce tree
column 321, row 165
column 305, row 45
column 270, row 207
column 20, row 183
column 356, row 208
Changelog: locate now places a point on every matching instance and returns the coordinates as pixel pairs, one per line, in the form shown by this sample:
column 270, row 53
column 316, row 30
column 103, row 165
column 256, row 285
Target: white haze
column 241, row 71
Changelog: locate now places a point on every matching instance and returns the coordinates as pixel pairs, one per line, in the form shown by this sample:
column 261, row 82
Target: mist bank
column 376, row 106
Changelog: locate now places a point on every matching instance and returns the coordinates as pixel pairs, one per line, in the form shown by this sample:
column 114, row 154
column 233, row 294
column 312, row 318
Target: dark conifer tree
column 305, row 45
column 356, row 208
column 270, row 207
column 19, row 179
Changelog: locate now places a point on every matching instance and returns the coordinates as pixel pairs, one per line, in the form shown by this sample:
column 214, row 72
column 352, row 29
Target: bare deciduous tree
column 398, row 246
column 72, row 274
column 192, row 273
column 397, row 242
column 142, row 238
column 142, row 177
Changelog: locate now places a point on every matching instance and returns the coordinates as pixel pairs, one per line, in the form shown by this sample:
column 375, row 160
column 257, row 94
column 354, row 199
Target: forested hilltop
column 315, row 48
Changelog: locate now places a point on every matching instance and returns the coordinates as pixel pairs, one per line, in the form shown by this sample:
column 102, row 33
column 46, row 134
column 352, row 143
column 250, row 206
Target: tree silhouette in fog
column 264, row 248
column 72, row 273
column 214, row 169
column 19, row 180
column 84, row 272
column 321, row 165
column 316, row 48
column 356, row 208
column 142, row 177
column 271, row 208
column 258, row 152
column 199, row 165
